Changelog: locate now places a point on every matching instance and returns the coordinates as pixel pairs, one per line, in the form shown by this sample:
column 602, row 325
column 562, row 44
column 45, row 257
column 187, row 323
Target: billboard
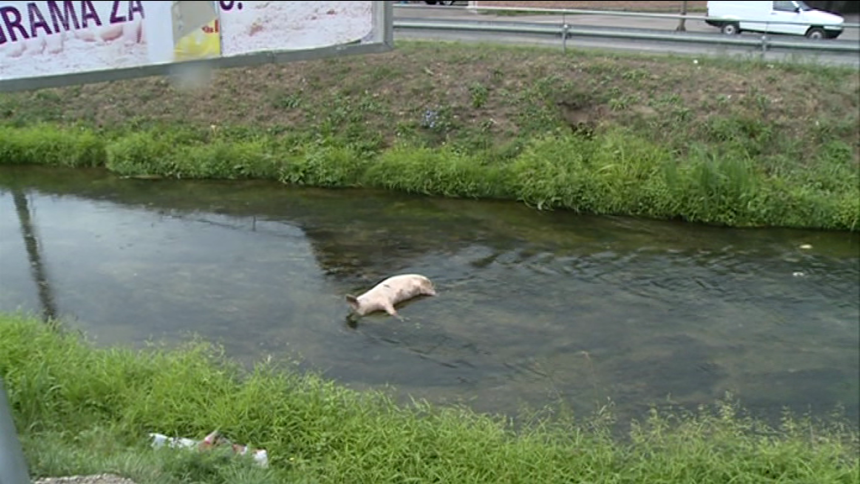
column 44, row 43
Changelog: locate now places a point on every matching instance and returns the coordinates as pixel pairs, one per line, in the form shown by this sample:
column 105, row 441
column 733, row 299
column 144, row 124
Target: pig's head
column 355, row 311
column 353, row 303
column 427, row 288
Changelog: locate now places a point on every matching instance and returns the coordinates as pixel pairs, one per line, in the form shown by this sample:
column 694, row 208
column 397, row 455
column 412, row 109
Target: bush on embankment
column 79, row 407
column 613, row 172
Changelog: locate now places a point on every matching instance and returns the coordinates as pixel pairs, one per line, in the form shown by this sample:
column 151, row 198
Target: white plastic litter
column 214, row 439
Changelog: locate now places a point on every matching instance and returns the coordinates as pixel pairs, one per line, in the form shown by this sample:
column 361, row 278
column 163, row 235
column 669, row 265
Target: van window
column 784, row 6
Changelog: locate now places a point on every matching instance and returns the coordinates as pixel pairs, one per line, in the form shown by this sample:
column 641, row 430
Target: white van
column 736, row 17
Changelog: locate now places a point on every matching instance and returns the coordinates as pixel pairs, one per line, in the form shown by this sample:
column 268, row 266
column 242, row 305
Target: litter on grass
column 211, row 441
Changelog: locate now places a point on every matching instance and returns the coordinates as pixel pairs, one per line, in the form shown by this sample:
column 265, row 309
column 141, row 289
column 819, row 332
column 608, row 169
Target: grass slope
column 740, row 144
column 84, row 410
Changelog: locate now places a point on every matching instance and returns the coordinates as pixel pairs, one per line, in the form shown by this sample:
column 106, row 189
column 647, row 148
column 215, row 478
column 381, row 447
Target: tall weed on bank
column 613, row 172
column 46, row 145
column 442, row 172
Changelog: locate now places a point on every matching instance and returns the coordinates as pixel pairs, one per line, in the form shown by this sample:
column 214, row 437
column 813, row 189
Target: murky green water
column 532, row 308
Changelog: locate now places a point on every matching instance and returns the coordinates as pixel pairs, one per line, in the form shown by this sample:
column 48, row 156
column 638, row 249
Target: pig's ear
column 352, row 301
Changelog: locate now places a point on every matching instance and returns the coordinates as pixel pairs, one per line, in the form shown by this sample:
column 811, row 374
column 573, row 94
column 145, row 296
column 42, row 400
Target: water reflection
column 31, row 242
column 533, row 307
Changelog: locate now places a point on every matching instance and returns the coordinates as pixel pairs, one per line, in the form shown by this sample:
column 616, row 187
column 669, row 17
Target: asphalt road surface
column 851, row 36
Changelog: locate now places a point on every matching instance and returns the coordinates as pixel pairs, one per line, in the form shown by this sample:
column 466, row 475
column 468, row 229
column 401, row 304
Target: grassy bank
column 740, row 144
column 83, row 410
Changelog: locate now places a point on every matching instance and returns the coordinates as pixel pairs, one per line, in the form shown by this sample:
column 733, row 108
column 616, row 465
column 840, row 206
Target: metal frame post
column 13, row 465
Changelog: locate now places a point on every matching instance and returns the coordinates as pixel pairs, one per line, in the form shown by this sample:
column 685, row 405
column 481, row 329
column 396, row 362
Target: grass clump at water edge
column 86, row 410
column 615, row 172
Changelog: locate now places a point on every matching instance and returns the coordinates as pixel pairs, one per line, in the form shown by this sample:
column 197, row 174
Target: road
column 583, row 23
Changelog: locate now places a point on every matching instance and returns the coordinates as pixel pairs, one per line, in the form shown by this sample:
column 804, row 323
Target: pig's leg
column 389, row 308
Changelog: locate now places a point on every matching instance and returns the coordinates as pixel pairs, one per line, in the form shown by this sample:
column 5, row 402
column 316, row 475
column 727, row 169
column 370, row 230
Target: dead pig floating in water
column 387, row 294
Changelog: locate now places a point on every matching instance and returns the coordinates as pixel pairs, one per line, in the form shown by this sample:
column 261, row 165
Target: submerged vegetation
column 82, row 409
column 716, row 141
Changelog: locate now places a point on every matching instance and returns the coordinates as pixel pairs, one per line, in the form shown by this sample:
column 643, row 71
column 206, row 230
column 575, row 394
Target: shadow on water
column 533, row 307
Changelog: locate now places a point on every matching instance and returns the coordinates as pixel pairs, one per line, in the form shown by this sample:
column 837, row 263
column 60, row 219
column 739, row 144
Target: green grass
column 48, row 146
column 82, row 409
column 737, row 143
column 614, row 172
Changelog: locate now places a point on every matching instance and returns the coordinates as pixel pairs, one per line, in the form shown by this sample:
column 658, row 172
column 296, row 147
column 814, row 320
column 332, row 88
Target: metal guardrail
column 608, row 13
column 565, row 30
column 617, row 13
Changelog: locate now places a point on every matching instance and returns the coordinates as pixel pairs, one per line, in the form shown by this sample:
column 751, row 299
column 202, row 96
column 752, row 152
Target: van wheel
column 815, row 33
column 731, row 29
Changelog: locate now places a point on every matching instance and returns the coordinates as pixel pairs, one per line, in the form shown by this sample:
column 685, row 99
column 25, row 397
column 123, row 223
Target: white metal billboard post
column 13, row 466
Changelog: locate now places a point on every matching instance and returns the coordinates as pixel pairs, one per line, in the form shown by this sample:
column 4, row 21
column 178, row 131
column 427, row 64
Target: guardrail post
column 564, row 32
column 13, row 466
column 763, row 45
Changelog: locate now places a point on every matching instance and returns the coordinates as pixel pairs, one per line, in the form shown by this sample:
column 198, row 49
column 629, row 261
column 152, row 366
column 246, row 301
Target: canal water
column 534, row 308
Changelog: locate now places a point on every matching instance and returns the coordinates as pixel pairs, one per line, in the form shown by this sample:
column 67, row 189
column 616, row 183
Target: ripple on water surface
column 532, row 307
